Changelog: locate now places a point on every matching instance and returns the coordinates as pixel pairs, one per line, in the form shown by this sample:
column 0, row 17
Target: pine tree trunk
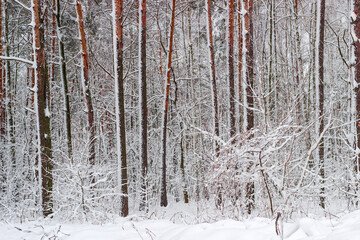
column 63, row 76
column 120, row 104
column 240, row 53
column 250, row 188
column 356, row 23
column 321, row 100
column 42, row 108
column 232, row 114
column 213, row 77
column 86, row 82
column 2, row 91
column 164, row 201
column 143, row 102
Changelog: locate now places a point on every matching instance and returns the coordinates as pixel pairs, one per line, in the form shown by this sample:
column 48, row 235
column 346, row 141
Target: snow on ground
column 346, row 227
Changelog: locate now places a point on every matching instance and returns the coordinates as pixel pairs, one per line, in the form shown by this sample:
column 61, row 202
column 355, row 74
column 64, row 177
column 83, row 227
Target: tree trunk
column 164, row 201
column 213, row 77
column 42, row 108
column 143, row 102
column 240, row 53
column 232, row 114
column 320, row 94
column 86, row 82
column 356, row 23
column 2, row 91
column 119, row 104
column 63, row 76
column 250, row 188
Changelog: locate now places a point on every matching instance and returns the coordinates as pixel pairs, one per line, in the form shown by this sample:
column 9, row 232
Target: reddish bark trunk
column 240, row 46
column 164, row 201
column 121, row 105
column 86, row 82
column 41, row 80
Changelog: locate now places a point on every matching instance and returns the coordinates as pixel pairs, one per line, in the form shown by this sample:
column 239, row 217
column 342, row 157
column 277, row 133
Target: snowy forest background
column 275, row 130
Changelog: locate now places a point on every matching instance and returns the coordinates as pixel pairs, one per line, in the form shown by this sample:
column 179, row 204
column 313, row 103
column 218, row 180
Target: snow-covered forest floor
column 171, row 224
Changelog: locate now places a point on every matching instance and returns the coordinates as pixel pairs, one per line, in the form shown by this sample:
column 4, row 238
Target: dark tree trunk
column 120, row 105
column 232, row 99
column 41, row 106
column 164, row 201
column 250, row 188
column 143, row 103
column 213, row 77
column 321, row 101
column 64, row 79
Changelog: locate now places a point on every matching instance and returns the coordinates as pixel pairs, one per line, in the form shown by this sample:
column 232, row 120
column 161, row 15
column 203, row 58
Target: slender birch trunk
column 164, row 201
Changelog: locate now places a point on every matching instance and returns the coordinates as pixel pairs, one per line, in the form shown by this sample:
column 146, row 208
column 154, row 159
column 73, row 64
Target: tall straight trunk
column 356, row 23
column 240, row 53
column 9, row 90
column 86, row 81
column 320, row 93
column 143, row 101
column 213, row 77
column 67, row 117
column 232, row 114
column 249, row 5
column 164, row 201
column 2, row 89
column 42, row 108
column 119, row 104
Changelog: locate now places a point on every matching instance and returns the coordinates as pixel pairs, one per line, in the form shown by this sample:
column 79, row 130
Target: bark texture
column 213, row 76
column 164, row 201
column 120, row 105
column 249, row 5
column 143, row 103
column 86, row 82
column 321, row 102
column 232, row 114
column 42, row 108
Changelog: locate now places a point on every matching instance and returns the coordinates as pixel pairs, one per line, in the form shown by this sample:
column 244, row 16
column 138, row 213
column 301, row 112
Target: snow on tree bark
column 45, row 164
column 232, row 114
column 63, row 76
column 356, row 23
column 143, row 103
column 119, row 104
column 320, row 95
column 86, row 81
column 164, row 201
column 213, row 76
column 250, row 95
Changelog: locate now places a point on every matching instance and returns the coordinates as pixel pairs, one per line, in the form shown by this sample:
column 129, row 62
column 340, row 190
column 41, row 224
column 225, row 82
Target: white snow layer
column 344, row 228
